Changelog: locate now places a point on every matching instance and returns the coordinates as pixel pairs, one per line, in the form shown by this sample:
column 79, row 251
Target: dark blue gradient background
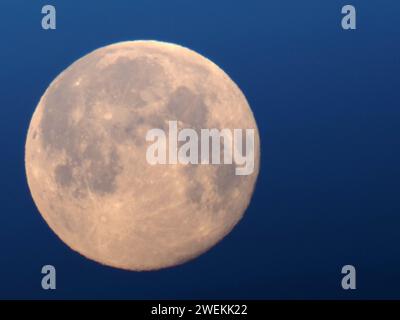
column 327, row 103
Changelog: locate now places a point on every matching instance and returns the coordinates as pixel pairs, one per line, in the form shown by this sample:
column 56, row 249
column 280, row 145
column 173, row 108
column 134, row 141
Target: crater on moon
column 85, row 156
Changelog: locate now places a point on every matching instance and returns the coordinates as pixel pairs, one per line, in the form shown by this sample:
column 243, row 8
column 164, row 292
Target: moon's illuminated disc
column 86, row 161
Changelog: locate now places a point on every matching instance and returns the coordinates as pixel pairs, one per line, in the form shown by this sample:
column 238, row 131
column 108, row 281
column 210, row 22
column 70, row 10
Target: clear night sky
column 327, row 103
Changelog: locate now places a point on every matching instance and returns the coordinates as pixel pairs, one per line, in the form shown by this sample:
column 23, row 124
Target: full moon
column 85, row 156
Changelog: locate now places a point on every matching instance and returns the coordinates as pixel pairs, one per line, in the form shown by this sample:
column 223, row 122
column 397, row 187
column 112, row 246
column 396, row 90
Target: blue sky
column 327, row 105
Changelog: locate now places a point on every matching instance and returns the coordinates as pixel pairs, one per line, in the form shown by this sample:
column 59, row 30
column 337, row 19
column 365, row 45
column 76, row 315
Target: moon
column 85, row 156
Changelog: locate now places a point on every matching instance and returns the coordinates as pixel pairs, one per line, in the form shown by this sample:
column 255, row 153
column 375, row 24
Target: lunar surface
column 85, row 156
